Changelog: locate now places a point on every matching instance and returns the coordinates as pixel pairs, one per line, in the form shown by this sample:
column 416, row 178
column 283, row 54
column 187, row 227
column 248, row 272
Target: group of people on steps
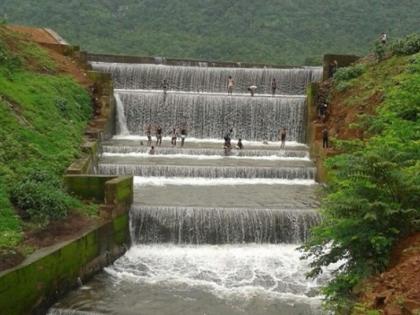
column 252, row 88
column 182, row 132
column 174, row 133
column 230, row 87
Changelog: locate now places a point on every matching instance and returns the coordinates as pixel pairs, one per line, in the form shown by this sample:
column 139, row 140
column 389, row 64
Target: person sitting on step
column 240, row 146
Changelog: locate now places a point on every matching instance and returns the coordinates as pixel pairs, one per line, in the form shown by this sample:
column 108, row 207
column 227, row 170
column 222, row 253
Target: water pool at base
column 252, row 279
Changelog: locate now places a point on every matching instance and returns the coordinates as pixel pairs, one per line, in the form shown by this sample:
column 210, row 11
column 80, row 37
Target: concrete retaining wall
column 177, row 62
column 44, row 277
column 314, row 132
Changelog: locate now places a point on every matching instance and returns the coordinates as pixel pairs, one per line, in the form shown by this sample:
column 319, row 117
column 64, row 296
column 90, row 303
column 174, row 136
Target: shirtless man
column 230, row 85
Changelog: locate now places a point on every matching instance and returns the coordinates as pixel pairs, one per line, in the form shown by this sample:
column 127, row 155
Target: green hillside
column 281, row 32
column 43, row 115
column 372, row 199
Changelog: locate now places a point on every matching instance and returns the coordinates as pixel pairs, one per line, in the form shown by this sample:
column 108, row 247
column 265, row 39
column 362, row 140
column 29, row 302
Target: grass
column 42, row 116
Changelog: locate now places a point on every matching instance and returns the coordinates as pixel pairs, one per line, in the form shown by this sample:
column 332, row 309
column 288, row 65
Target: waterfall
column 220, row 225
column 210, row 234
column 122, row 120
column 209, row 79
column 210, row 116
column 207, row 171
column 122, row 149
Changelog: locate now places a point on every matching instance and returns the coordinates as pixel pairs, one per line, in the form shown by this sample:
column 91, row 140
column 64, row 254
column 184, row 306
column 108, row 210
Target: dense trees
column 271, row 31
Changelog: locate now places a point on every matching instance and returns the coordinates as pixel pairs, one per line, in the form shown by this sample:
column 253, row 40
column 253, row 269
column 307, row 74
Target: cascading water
column 124, row 150
column 122, row 120
column 211, row 234
column 220, row 225
column 212, row 172
column 209, row 79
column 209, row 116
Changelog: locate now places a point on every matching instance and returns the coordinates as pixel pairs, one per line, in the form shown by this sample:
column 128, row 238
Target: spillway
column 208, row 79
column 212, row 231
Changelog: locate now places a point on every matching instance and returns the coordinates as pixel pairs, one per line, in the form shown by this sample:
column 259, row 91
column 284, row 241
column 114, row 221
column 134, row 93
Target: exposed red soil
column 397, row 291
column 64, row 64
column 58, row 231
column 38, row 35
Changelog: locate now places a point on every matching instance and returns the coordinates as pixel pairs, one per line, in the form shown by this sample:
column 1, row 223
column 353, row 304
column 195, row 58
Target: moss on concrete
column 119, row 190
column 87, row 187
column 47, row 274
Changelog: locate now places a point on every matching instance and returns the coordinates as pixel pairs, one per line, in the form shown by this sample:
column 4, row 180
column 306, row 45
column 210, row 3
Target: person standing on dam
column 149, row 134
column 183, row 135
column 283, row 133
column 230, row 85
column 159, row 136
column 174, row 136
column 273, row 86
column 165, row 87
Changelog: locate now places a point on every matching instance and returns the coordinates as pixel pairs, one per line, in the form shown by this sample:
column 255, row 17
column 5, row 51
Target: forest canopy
column 269, row 31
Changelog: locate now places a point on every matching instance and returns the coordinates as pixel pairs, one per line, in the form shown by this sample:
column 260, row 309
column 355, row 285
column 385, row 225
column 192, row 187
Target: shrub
column 39, row 196
column 379, row 51
column 343, row 76
column 408, row 45
column 349, row 73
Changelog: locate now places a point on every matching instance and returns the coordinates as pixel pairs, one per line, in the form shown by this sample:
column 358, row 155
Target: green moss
column 121, row 228
column 21, row 289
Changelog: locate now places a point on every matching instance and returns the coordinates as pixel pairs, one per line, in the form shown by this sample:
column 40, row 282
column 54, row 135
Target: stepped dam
column 213, row 230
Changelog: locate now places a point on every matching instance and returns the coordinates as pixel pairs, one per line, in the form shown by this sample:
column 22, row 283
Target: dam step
column 194, row 225
column 134, row 148
column 194, row 160
column 207, row 171
column 226, row 192
column 205, row 143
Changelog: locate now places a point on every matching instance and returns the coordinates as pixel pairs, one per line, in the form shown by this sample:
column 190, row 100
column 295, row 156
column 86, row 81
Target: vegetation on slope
column 373, row 194
column 42, row 116
column 270, row 31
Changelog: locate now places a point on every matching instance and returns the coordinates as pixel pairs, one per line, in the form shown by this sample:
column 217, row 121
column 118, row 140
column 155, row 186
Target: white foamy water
column 212, row 141
column 122, row 120
column 228, row 270
column 141, row 91
column 202, row 181
column 205, row 157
